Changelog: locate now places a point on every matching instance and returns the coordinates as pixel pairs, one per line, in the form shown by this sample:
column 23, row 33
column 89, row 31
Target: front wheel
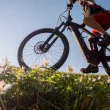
column 30, row 53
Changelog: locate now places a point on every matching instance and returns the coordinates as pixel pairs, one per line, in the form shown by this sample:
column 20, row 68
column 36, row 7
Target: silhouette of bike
column 52, row 45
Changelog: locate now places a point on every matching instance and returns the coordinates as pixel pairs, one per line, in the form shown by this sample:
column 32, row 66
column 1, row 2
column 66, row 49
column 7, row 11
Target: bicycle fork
column 48, row 45
column 80, row 41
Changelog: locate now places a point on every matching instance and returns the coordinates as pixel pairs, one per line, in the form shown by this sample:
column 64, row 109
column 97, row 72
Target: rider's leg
column 93, row 45
column 90, row 69
column 91, row 22
column 94, row 40
column 95, row 21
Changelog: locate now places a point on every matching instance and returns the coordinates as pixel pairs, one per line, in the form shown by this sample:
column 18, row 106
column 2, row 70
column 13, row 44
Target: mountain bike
column 52, row 45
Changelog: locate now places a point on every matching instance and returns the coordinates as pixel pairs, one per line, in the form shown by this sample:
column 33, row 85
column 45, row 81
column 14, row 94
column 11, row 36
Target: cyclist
column 97, row 18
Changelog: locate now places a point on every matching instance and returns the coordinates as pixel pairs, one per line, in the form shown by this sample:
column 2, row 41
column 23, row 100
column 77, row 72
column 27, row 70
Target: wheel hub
column 38, row 49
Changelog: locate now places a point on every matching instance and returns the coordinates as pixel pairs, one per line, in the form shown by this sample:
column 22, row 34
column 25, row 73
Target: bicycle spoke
column 54, row 54
column 50, row 59
column 33, row 53
column 29, row 59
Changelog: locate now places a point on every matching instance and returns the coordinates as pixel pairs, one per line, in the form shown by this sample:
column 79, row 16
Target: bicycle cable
column 60, row 16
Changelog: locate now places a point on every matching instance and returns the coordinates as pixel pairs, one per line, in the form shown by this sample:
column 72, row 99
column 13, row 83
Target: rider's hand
column 69, row 6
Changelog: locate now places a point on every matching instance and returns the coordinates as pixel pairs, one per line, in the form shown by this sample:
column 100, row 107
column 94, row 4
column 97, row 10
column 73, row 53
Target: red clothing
column 103, row 19
column 100, row 14
column 90, row 8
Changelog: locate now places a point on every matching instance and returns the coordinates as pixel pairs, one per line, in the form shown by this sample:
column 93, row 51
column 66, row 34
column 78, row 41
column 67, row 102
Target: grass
column 50, row 90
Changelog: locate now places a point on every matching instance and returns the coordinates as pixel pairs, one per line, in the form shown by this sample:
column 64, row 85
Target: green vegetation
column 49, row 90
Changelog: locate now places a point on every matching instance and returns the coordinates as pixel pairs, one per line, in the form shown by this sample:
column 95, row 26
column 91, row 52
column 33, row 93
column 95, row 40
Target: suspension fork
column 51, row 36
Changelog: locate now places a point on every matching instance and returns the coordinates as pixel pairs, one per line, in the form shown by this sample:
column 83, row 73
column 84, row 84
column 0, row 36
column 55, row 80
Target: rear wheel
column 106, row 60
column 30, row 52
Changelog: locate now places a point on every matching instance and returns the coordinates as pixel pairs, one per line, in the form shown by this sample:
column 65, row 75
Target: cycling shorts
column 102, row 18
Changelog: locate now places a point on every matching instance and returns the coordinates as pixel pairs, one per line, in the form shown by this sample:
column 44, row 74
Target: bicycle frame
column 74, row 28
column 89, row 56
column 54, row 39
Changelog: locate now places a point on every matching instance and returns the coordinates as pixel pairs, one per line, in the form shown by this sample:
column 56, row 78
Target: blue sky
column 18, row 18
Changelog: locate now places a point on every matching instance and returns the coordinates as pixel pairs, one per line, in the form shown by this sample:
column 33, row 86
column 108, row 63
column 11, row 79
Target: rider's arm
column 83, row 4
column 71, row 2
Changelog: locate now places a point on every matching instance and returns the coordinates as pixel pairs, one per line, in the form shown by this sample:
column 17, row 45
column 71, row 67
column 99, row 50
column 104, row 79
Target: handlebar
column 69, row 18
column 69, row 8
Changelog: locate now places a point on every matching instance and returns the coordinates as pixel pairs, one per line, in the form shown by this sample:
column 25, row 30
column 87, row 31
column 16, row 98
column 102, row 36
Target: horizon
column 20, row 18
